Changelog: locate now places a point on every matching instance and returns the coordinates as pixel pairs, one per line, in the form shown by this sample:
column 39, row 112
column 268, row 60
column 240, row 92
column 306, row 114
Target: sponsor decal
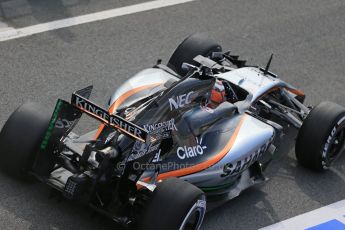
column 235, row 168
column 63, row 123
column 109, row 137
column 153, row 138
column 157, row 157
column 162, row 126
column 328, row 142
column 89, row 107
column 192, row 151
column 113, row 120
column 157, row 132
column 325, row 149
column 127, row 127
column 180, row 101
column 161, row 130
column 201, row 203
column 140, row 149
column 153, row 147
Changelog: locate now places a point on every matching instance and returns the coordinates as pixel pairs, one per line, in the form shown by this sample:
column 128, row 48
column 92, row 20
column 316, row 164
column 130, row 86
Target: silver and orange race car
column 172, row 138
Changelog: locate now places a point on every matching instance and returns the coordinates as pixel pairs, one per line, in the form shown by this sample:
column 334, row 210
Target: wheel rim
column 337, row 145
column 192, row 221
column 195, row 216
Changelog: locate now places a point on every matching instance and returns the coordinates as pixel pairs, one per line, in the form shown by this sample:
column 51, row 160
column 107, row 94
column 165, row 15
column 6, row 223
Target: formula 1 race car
column 173, row 136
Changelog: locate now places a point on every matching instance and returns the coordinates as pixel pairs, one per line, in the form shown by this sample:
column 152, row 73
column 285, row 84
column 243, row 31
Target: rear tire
column 194, row 45
column 321, row 138
column 20, row 138
column 174, row 204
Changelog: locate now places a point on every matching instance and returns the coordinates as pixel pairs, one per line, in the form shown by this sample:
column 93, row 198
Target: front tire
column 321, row 138
column 194, row 45
column 174, row 204
column 20, row 138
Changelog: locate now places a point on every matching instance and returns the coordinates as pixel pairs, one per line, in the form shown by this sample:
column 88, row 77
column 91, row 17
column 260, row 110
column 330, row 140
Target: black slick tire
column 20, row 138
column 174, row 204
column 321, row 138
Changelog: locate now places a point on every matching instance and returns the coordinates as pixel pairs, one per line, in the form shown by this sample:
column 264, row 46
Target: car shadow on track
column 318, row 185
column 244, row 212
column 25, row 205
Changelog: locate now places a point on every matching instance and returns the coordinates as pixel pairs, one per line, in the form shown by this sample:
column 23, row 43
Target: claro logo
column 190, row 152
column 180, row 101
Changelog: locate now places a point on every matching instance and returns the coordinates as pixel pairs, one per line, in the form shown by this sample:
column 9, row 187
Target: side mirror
column 217, row 56
column 187, row 67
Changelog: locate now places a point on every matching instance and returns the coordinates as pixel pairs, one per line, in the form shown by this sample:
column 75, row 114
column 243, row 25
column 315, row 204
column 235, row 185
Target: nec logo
column 180, row 101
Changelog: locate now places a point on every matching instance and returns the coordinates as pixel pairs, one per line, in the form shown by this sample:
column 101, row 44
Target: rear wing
column 80, row 101
column 65, row 117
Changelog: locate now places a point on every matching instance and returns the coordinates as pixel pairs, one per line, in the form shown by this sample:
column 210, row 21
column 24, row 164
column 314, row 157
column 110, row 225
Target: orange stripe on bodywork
column 208, row 163
column 100, row 129
column 296, row 91
column 121, row 99
column 129, row 93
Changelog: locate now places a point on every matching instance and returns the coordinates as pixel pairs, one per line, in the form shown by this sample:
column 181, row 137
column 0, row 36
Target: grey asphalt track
column 307, row 38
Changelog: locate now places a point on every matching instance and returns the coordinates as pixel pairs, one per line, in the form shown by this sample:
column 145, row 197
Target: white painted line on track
column 13, row 33
column 331, row 217
column 4, row 27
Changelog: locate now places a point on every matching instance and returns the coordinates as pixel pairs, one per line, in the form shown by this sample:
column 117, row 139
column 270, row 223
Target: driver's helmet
column 218, row 94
